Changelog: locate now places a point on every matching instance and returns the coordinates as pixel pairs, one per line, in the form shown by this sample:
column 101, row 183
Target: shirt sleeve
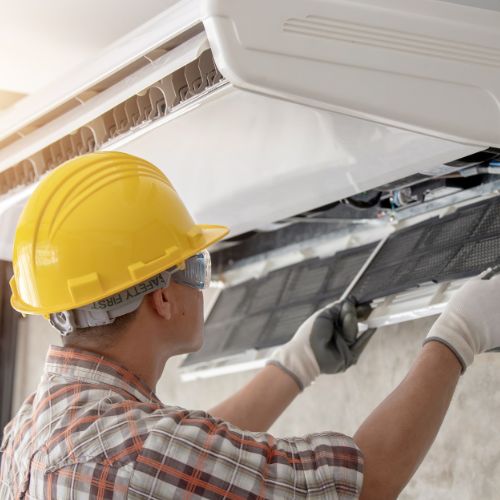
column 210, row 458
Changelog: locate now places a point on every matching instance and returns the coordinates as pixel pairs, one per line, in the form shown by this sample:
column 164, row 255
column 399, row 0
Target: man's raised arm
column 396, row 436
column 327, row 342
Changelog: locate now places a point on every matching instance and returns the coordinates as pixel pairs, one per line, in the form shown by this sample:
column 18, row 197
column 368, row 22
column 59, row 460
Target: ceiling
column 39, row 41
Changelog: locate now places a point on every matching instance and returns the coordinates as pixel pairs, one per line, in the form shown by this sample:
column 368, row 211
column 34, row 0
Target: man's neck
column 139, row 360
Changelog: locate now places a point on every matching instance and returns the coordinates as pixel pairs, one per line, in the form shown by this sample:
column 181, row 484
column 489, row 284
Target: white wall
column 463, row 464
column 35, row 335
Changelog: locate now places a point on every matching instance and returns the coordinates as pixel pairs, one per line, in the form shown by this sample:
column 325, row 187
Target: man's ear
column 162, row 303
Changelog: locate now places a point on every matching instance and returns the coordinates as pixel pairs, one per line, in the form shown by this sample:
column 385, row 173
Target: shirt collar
column 94, row 368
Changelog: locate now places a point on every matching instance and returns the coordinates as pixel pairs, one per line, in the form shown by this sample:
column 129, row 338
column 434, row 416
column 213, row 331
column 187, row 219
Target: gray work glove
column 469, row 325
column 327, row 342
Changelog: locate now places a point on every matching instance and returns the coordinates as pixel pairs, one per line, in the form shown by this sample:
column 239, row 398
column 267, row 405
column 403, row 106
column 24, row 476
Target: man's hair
column 99, row 337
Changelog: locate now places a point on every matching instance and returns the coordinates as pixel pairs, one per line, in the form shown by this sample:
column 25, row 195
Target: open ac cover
column 262, row 112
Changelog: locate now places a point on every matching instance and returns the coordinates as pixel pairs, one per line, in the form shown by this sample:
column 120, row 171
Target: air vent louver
column 151, row 104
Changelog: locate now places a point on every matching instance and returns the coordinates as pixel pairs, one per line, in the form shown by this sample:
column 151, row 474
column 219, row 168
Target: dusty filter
column 266, row 312
column 455, row 246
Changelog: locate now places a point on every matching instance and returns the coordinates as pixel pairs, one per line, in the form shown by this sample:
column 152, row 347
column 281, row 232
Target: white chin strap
column 105, row 311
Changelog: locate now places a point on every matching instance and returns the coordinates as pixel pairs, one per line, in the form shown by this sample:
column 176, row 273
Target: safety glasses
column 196, row 272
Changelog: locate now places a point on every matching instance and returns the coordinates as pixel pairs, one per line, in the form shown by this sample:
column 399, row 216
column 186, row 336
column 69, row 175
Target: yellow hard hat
column 96, row 225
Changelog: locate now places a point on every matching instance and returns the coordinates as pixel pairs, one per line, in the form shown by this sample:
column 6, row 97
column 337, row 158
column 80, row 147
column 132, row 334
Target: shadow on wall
column 9, row 98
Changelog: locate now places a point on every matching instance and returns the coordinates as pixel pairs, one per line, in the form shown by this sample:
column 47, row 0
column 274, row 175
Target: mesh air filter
column 231, row 303
column 263, row 313
column 378, row 283
column 246, row 333
column 400, row 245
column 306, row 282
column 452, row 229
column 490, row 223
column 455, row 246
column 473, row 258
column 344, row 267
column 284, row 324
column 267, row 312
column 268, row 291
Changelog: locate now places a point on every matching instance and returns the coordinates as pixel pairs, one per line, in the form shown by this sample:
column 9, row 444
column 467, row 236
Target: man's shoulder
column 107, row 427
column 68, row 423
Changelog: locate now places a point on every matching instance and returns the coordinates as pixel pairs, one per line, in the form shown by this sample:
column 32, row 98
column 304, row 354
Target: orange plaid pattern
column 94, row 430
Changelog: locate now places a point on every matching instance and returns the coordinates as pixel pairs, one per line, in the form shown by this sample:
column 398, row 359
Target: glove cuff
column 451, row 330
column 451, row 348
column 298, row 361
column 275, row 362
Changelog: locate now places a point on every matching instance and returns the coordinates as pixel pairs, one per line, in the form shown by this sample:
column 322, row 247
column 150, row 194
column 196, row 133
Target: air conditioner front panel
column 247, row 160
column 427, row 66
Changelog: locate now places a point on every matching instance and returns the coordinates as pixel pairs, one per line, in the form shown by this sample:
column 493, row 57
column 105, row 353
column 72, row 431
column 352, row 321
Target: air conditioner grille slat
column 153, row 103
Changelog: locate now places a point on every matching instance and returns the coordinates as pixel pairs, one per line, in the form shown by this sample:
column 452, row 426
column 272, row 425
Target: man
column 107, row 252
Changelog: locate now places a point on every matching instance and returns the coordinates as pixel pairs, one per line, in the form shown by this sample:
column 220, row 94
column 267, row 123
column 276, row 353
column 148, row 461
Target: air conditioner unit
column 262, row 111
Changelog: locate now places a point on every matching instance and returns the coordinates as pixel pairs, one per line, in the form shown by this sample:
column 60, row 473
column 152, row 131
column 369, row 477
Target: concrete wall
column 464, row 463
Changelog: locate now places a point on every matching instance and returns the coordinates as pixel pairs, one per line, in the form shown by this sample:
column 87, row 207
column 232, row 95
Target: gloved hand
column 470, row 324
column 325, row 343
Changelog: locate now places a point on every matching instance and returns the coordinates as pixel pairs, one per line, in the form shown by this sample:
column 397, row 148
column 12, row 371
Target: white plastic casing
column 428, row 66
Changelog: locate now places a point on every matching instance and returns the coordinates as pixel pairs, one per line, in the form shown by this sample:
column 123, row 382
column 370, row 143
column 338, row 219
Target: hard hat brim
column 206, row 235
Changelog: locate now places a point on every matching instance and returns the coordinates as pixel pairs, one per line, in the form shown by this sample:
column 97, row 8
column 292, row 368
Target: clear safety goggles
column 195, row 272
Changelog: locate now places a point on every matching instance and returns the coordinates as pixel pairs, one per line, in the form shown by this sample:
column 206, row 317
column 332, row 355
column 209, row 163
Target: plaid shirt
column 94, row 430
